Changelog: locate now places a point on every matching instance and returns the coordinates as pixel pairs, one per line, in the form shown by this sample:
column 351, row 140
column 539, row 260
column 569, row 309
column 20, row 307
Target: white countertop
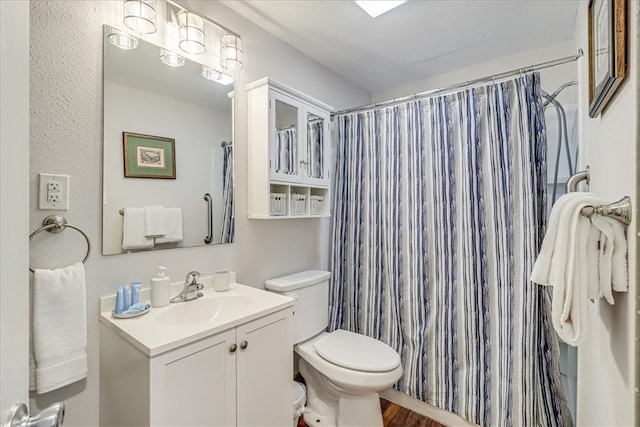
column 153, row 337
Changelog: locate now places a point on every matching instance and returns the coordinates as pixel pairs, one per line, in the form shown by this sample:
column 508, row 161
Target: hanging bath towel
column 59, row 327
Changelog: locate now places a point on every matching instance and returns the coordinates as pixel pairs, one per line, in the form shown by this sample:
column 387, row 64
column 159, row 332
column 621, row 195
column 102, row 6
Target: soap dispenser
column 160, row 288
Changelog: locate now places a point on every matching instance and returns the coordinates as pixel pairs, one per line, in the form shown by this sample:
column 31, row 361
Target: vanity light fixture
column 378, row 7
column 140, row 15
column 231, row 52
column 190, row 32
column 171, row 59
column 216, row 76
column 122, row 40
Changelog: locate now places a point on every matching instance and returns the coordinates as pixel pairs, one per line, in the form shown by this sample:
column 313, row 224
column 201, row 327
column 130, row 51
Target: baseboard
column 436, row 414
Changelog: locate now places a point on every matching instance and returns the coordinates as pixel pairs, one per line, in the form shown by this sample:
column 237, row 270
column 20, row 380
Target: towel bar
column 620, row 210
column 56, row 224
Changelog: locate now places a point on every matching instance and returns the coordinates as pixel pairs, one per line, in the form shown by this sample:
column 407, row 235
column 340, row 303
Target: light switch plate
column 53, row 192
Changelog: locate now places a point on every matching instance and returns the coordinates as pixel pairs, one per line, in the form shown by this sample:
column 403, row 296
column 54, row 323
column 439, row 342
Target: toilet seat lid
column 357, row 352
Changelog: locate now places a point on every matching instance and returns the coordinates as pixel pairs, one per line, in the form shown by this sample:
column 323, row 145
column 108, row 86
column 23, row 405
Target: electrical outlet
column 53, row 192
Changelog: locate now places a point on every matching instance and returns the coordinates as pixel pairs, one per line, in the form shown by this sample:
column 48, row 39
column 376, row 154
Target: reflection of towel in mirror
column 133, row 230
column 172, row 226
column 59, row 327
column 154, row 221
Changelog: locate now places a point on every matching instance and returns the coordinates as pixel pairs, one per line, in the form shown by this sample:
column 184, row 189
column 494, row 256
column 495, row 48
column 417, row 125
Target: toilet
column 343, row 371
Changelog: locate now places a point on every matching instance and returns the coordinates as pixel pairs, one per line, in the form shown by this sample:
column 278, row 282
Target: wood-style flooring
column 396, row 416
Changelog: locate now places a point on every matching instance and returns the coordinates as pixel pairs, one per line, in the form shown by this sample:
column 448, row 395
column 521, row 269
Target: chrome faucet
column 191, row 288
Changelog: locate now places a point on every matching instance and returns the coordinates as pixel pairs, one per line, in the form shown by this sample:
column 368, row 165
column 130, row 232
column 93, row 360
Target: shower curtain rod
column 468, row 83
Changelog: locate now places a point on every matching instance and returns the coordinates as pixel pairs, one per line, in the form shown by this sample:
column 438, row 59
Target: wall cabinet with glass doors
column 289, row 145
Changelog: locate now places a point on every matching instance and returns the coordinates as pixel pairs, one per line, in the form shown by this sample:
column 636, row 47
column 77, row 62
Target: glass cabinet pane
column 315, row 146
column 286, row 155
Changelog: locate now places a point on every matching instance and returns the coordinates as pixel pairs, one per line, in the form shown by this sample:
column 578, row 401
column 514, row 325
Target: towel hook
column 56, row 224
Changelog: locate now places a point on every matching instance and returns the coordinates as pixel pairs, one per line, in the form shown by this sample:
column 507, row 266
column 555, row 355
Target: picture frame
column 607, row 51
column 148, row 156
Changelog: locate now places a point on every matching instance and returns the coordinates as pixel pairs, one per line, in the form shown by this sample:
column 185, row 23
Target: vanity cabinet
column 241, row 376
column 289, row 151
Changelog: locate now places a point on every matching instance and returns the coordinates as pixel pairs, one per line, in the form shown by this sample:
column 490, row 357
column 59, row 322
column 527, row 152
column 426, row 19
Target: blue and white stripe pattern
column 439, row 214
column 287, row 155
column 228, row 216
column 315, row 141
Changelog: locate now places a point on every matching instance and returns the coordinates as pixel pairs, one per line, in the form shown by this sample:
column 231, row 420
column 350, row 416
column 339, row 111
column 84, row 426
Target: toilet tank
column 310, row 289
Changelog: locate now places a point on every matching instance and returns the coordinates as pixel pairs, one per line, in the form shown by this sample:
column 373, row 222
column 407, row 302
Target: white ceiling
column 419, row 39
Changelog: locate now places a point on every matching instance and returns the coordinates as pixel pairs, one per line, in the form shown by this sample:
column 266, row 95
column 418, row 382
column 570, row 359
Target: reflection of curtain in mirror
column 315, row 160
column 287, row 153
column 226, row 235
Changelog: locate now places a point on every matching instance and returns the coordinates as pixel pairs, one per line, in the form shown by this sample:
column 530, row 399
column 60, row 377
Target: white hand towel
column 154, row 221
column 619, row 266
column 133, row 230
column 172, row 226
column 613, row 260
column 569, row 305
column 605, row 253
column 542, row 266
column 59, row 327
column 594, row 291
column 562, row 264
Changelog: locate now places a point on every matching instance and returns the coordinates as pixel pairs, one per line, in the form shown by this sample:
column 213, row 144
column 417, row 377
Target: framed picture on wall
column 147, row 156
column 607, row 51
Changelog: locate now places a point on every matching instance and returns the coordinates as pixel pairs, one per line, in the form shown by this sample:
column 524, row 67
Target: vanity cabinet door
column 265, row 371
column 195, row 385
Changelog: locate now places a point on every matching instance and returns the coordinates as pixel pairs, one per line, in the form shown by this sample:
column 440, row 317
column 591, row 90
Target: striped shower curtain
column 439, row 214
column 228, row 217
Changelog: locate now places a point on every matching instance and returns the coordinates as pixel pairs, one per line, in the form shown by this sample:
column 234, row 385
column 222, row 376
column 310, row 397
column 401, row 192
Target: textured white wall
column 66, row 138
column 606, row 366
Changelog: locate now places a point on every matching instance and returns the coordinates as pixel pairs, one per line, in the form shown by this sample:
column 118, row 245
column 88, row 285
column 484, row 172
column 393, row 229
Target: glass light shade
column 191, row 33
column 122, row 40
column 216, row 76
column 140, row 15
column 231, row 52
column 171, row 59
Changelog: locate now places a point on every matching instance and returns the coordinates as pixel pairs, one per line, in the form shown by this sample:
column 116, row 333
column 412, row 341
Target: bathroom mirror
column 158, row 118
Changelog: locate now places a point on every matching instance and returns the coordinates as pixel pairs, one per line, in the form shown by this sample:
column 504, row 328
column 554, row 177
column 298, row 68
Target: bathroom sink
column 201, row 310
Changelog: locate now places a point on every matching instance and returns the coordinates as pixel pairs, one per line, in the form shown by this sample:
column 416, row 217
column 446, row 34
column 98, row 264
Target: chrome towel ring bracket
column 56, row 224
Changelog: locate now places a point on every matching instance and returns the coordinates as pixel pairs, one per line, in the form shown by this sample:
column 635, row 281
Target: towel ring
column 55, row 224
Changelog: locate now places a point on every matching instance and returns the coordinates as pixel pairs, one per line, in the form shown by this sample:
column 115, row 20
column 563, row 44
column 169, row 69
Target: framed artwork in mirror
column 607, row 51
column 148, row 156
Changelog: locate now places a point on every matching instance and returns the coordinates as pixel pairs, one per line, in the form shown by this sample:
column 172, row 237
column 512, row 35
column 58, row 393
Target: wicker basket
column 278, row 204
column 316, row 205
column 298, row 204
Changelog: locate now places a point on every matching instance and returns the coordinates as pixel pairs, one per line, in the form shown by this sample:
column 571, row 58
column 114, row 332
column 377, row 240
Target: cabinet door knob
column 243, row 345
column 233, row 348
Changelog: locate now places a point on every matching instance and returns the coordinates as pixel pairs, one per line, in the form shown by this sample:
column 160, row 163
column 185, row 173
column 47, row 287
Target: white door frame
column 14, row 204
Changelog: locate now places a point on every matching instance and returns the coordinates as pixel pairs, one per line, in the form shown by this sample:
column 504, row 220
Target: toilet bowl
column 343, row 371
